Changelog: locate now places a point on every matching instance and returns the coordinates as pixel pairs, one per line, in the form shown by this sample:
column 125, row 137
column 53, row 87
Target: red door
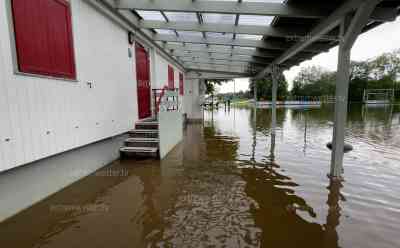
column 171, row 79
column 181, row 89
column 143, row 82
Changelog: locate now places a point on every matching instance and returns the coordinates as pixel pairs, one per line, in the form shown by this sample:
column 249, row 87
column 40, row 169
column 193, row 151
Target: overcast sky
column 384, row 38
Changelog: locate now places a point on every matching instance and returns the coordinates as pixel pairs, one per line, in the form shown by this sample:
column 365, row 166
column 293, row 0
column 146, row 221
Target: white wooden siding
column 162, row 72
column 7, row 156
column 43, row 117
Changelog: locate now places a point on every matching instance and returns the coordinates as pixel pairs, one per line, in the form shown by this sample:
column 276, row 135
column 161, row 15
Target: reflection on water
column 235, row 182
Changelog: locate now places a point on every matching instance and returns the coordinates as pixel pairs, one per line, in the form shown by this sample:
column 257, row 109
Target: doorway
column 143, row 81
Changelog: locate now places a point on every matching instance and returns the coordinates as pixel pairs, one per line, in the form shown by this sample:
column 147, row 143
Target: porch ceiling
column 246, row 36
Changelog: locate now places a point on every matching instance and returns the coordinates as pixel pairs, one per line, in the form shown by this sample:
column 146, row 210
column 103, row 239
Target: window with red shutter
column 43, row 37
column 181, row 89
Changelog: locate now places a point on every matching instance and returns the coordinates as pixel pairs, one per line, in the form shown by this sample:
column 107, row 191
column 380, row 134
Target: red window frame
column 43, row 38
column 181, row 87
column 171, row 77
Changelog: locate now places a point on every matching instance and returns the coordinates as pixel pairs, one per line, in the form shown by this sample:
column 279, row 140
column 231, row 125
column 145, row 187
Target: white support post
column 254, row 145
column 342, row 88
column 255, row 92
column 275, row 78
column 350, row 28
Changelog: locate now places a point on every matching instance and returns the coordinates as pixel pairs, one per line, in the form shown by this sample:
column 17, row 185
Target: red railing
column 158, row 95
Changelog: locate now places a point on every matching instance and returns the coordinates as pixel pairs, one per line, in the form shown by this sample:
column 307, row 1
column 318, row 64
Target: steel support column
column 351, row 26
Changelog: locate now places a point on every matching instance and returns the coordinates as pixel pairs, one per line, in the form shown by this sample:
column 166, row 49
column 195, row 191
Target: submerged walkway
column 217, row 189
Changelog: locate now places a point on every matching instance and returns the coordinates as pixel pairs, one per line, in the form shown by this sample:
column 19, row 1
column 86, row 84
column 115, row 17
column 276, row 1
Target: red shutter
column 43, row 36
column 171, row 78
column 181, row 89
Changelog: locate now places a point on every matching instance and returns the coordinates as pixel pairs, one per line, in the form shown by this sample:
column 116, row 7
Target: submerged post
column 350, row 27
column 275, row 78
column 255, row 92
column 342, row 87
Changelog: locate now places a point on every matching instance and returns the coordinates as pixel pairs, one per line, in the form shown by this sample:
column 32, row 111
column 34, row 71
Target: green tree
column 313, row 81
column 210, row 87
column 386, row 65
column 264, row 88
column 382, row 72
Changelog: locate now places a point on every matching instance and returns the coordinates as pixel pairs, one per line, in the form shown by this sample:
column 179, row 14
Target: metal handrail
column 158, row 95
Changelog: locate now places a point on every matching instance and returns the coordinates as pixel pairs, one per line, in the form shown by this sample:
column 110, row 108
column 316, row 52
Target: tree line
column 382, row 72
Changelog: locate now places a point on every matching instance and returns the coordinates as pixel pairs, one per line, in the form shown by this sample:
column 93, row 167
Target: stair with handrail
column 143, row 141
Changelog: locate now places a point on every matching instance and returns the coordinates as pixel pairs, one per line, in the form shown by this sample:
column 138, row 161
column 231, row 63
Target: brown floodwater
column 231, row 183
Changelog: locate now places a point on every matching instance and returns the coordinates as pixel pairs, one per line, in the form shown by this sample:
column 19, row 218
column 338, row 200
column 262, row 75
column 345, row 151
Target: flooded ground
column 230, row 184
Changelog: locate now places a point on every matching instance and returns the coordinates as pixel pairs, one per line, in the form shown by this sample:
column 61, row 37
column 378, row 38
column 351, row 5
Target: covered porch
column 230, row 39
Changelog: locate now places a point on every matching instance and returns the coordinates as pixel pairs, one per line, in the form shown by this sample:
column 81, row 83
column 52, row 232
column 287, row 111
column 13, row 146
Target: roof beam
column 200, row 21
column 224, row 28
column 304, row 10
column 237, row 20
column 223, row 7
column 227, row 58
column 167, row 20
column 216, row 56
column 213, row 64
column 240, row 57
column 232, row 64
column 230, row 42
column 229, row 73
column 216, row 61
column 179, row 48
column 218, row 67
column 197, row 72
column 220, row 41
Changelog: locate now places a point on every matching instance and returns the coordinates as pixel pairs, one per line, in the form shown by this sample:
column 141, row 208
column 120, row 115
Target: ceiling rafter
column 167, row 21
column 200, row 21
column 198, row 72
column 218, row 61
column 180, row 49
column 225, row 58
column 219, row 70
column 272, row 45
column 236, row 51
column 304, row 10
column 215, row 65
column 236, row 20
column 225, row 28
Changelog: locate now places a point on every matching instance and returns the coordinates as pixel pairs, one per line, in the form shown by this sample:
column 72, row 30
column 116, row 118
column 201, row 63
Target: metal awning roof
column 246, row 36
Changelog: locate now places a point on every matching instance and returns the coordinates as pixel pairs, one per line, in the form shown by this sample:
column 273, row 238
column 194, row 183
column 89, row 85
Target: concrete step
column 146, row 125
column 141, row 152
column 142, row 142
column 143, row 133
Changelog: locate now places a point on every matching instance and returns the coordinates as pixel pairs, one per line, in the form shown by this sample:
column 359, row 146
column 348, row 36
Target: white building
column 66, row 108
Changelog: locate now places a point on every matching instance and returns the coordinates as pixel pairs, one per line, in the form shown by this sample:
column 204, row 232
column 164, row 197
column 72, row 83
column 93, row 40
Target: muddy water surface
column 233, row 184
